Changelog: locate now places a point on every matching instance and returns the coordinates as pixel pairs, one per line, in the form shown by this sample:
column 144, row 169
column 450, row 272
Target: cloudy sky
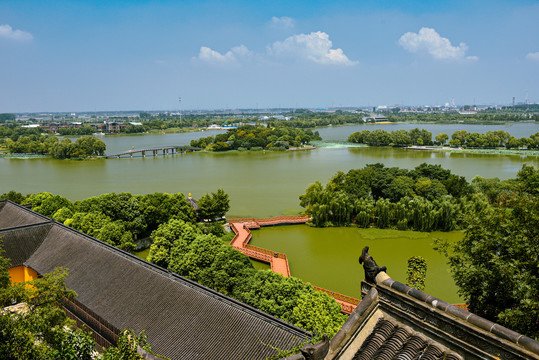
column 142, row 55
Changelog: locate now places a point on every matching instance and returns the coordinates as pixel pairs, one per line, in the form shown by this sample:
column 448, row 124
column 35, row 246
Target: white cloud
column 7, row 32
column 428, row 40
column 283, row 22
column 315, row 46
column 231, row 57
column 533, row 56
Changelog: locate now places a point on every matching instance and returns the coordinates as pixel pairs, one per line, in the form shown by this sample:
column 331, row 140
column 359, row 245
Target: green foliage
column 126, row 347
column 73, row 345
column 213, row 206
column 291, row 300
column 319, row 313
column 116, row 218
column 14, row 196
column 416, row 136
column 280, row 136
column 46, row 203
column 495, row 264
column 419, row 199
column 175, row 233
column 63, row 214
column 7, row 117
column 32, row 333
column 84, row 146
column 158, row 208
column 396, row 138
column 5, row 279
column 210, row 262
column 42, row 331
column 416, row 272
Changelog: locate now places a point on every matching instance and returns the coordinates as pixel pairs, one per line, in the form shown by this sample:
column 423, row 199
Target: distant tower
column 180, row 108
column 452, row 102
column 527, row 99
column 513, row 101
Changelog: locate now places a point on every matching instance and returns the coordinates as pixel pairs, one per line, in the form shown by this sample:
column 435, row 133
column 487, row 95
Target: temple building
column 185, row 320
column 117, row 290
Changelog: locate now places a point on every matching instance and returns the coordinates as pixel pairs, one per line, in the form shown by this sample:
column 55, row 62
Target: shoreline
column 499, row 151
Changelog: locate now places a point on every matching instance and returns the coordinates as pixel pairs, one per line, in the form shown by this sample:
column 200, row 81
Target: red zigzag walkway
column 278, row 261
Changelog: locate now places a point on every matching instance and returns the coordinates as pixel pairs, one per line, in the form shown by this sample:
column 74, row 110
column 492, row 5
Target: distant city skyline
column 84, row 56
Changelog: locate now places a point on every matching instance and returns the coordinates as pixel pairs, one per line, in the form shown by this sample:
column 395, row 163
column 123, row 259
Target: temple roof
column 182, row 319
column 13, row 215
column 396, row 321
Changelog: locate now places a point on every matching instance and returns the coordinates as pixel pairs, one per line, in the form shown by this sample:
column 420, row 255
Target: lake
column 259, row 183
column 328, row 257
column 268, row 184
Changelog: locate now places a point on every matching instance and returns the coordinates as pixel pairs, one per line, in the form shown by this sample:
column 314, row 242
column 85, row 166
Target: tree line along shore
column 281, row 137
column 461, row 138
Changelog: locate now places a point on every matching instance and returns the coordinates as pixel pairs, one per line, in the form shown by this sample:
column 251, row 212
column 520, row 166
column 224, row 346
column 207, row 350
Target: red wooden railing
column 338, row 296
column 348, row 303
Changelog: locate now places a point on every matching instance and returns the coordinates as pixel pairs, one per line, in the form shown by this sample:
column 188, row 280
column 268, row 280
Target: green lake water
column 328, row 257
column 268, row 184
column 259, row 183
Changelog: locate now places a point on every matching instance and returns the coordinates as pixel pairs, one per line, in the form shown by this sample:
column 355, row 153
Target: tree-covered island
column 248, row 137
column 28, row 142
column 461, row 138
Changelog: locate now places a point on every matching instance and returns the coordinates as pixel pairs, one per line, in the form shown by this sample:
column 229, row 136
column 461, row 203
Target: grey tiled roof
column 391, row 340
column 20, row 243
column 182, row 319
column 12, row 215
column 395, row 321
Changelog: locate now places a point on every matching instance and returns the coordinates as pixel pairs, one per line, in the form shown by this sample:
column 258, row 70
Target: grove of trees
column 495, row 265
column 84, row 146
column 416, row 136
column 257, row 138
column 425, row 199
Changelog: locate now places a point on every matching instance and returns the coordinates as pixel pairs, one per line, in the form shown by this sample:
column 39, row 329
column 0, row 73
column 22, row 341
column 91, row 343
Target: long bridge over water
column 278, row 261
column 164, row 150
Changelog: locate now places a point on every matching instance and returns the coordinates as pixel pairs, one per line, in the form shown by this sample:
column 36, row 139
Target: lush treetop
column 257, row 137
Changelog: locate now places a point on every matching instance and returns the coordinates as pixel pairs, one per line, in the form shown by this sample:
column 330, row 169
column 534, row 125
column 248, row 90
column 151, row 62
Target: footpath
column 278, row 261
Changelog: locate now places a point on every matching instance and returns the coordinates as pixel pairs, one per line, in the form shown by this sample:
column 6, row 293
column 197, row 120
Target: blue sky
column 143, row 55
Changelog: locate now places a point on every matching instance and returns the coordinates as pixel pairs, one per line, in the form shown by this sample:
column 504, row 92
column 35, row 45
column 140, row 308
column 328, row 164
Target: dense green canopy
column 257, row 138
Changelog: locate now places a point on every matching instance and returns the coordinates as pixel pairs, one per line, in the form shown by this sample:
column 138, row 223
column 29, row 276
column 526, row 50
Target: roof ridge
column 471, row 318
column 27, row 226
column 32, row 212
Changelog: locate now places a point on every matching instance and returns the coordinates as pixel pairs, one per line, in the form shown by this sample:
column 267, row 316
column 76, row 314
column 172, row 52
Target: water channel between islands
column 264, row 184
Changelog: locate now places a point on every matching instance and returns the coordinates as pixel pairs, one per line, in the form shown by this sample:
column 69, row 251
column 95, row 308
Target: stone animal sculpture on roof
column 370, row 266
column 316, row 352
